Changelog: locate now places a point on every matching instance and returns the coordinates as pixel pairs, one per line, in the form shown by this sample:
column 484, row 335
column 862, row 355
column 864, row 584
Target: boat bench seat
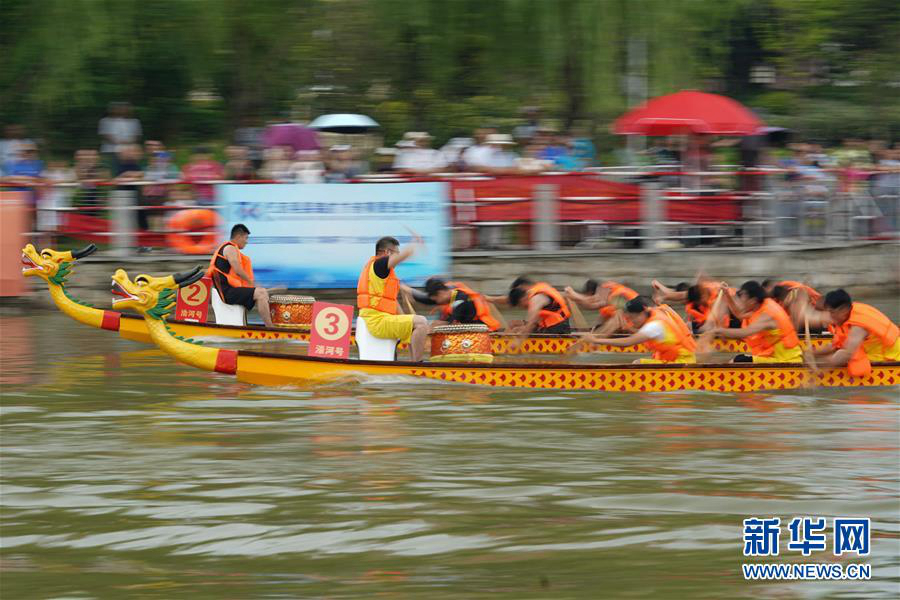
column 227, row 314
column 371, row 347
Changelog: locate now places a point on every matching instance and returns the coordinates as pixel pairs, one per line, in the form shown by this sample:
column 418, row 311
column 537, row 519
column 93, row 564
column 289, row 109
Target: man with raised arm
column 377, row 292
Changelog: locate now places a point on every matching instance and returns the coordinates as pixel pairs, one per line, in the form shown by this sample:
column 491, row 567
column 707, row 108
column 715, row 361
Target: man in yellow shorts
column 376, row 297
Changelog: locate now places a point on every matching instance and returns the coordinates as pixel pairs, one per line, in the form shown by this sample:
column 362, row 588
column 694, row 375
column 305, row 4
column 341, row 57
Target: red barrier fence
column 581, row 198
column 589, row 204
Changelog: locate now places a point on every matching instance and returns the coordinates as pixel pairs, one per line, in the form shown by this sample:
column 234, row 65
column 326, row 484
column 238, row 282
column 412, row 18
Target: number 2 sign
column 193, row 301
column 330, row 331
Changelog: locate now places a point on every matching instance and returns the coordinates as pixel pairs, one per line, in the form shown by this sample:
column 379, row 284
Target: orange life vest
column 680, row 334
column 876, row 324
column 763, row 342
column 796, row 285
column 369, row 296
column 616, row 290
column 482, row 310
column 700, row 312
column 549, row 318
column 233, row 279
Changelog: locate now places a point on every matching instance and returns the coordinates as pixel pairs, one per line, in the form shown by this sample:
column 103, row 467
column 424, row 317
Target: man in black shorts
column 232, row 275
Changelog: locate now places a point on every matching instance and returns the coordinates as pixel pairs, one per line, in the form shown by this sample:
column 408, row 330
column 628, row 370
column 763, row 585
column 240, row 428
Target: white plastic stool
column 227, row 314
column 371, row 347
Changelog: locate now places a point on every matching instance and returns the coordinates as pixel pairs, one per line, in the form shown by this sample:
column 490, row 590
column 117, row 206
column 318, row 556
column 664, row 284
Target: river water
column 127, row 475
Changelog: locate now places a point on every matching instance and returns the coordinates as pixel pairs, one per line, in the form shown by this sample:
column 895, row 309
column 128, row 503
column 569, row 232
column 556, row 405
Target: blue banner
column 320, row 235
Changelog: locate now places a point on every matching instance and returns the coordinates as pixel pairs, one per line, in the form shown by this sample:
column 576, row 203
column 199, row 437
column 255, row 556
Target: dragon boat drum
column 291, row 311
column 461, row 343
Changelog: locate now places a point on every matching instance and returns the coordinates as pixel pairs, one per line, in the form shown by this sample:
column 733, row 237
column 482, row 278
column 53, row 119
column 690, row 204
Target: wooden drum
column 461, row 343
column 291, row 311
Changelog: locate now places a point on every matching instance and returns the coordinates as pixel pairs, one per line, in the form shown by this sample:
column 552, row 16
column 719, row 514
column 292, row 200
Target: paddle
column 498, row 315
column 409, row 308
column 704, row 343
column 813, row 368
column 705, row 339
column 577, row 317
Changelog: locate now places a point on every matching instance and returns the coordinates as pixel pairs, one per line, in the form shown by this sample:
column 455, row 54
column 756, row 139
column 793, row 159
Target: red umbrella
column 688, row 112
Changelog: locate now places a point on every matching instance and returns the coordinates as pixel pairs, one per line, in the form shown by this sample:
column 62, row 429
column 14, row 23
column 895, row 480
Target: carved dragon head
column 50, row 265
column 148, row 295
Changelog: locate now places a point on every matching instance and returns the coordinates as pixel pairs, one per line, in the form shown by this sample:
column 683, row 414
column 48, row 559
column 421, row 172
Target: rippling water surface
column 127, row 475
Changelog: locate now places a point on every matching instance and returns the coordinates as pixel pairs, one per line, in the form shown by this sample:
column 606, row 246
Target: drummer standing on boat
column 232, row 274
column 376, row 297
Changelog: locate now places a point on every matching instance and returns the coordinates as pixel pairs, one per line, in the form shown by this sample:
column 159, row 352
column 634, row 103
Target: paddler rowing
column 609, row 300
column 862, row 335
column 659, row 328
column 767, row 329
column 457, row 302
column 706, row 302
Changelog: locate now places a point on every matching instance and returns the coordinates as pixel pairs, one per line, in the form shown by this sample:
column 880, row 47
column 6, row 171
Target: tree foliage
column 197, row 68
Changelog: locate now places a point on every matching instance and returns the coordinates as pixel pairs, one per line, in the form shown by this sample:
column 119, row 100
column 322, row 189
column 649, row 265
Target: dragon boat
column 54, row 267
column 154, row 298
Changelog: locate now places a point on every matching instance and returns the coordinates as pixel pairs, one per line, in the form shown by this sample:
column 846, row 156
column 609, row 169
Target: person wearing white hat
column 420, row 158
column 501, row 159
column 475, row 157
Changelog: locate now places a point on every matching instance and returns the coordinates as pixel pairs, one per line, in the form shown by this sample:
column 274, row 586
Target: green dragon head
column 50, row 265
column 148, row 295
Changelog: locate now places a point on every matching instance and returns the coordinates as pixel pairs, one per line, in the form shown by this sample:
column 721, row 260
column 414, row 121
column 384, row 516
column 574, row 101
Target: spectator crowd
column 291, row 153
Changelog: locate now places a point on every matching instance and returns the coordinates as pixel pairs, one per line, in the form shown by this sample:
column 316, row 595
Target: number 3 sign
column 330, row 331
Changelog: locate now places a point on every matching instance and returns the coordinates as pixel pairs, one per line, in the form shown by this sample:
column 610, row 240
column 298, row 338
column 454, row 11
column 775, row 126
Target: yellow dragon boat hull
column 277, row 369
column 133, row 327
column 154, row 298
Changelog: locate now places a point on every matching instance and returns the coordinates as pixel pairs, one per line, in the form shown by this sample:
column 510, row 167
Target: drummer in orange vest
column 547, row 308
column 458, row 303
column 660, row 328
column 376, row 297
column 232, row 274
column 767, row 328
column 609, row 299
column 862, row 335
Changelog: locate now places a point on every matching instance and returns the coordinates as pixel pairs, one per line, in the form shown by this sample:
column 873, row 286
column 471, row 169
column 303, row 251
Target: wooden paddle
column 409, row 308
column 813, row 368
column 577, row 317
column 704, row 342
column 498, row 315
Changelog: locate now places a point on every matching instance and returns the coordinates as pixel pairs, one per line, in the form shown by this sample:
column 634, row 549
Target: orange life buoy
column 194, row 220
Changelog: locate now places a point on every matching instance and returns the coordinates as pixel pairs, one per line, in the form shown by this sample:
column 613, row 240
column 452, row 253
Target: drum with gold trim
column 291, row 311
column 461, row 343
